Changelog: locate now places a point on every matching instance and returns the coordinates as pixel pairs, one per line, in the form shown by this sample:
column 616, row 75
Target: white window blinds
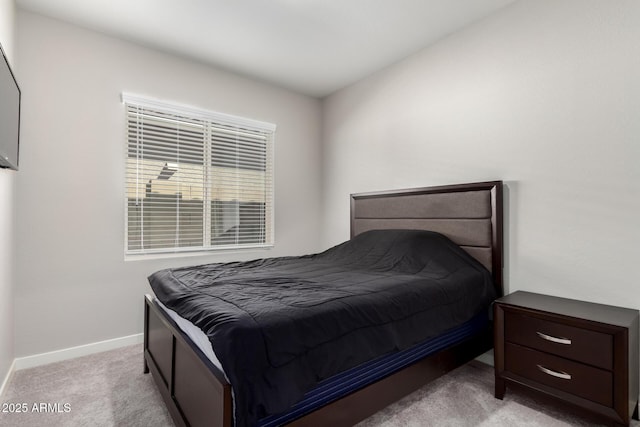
column 196, row 180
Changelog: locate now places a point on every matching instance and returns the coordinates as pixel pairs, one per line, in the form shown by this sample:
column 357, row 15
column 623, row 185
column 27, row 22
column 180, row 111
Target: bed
column 197, row 390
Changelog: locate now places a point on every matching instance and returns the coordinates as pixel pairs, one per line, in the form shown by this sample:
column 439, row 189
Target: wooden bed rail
column 195, row 391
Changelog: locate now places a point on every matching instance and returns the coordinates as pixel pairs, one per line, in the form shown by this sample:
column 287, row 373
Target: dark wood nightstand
column 582, row 353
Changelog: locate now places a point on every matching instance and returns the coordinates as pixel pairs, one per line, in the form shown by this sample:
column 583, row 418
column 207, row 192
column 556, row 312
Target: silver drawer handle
column 554, row 339
column 556, row 374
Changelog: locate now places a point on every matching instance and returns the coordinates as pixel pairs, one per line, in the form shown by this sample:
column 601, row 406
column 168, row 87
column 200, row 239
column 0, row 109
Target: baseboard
column 73, row 352
column 7, row 378
column 486, row 358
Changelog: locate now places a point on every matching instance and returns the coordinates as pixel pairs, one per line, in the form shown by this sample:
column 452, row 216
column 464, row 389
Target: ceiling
column 314, row 47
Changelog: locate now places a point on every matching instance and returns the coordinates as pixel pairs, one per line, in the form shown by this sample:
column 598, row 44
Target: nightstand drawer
column 582, row 345
column 580, row 380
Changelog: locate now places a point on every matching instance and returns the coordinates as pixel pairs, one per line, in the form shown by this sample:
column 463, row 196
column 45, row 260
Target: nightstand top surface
column 601, row 313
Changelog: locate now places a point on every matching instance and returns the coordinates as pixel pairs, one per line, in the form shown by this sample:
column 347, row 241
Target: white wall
column 7, row 184
column 545, row 95
column 73, row 285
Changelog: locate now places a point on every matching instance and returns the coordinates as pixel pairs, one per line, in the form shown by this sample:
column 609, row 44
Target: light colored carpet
column 103, row 389
column 109, row 389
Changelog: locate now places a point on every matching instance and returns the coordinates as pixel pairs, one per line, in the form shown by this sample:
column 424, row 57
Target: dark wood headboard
column 468, row 214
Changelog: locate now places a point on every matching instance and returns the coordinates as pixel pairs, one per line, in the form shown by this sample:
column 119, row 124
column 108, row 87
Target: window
column 196, row 180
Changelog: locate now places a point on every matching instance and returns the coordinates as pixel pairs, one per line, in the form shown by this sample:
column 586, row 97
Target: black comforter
column 281, row 325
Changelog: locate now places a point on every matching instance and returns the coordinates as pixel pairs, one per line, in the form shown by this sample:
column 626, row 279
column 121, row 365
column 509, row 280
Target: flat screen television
column 9, row 115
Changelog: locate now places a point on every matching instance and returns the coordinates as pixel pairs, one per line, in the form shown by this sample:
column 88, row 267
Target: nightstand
column 581, row 353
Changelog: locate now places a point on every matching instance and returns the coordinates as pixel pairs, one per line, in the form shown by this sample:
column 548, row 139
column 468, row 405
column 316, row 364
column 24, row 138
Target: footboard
column 195, row 391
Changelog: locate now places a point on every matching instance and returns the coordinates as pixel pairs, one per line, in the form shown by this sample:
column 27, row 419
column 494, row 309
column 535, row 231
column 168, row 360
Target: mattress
column 282, row 326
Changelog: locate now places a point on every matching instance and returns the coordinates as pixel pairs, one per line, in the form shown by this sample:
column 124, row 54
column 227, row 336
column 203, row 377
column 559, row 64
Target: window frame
column 212, row 119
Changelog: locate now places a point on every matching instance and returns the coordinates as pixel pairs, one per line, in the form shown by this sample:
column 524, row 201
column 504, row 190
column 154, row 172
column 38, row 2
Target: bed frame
column 196, row 392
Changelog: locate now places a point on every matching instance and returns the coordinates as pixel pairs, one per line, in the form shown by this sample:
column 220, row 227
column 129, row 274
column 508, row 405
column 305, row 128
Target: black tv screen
column 9, row 116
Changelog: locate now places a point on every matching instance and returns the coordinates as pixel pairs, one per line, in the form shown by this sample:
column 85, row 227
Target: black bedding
column 281, row 325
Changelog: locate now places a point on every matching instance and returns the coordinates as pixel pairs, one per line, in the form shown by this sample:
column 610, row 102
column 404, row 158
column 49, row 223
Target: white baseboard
column 7, row 378
column 73, row 352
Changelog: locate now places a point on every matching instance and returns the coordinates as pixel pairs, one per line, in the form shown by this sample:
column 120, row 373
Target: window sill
column 194, row 253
